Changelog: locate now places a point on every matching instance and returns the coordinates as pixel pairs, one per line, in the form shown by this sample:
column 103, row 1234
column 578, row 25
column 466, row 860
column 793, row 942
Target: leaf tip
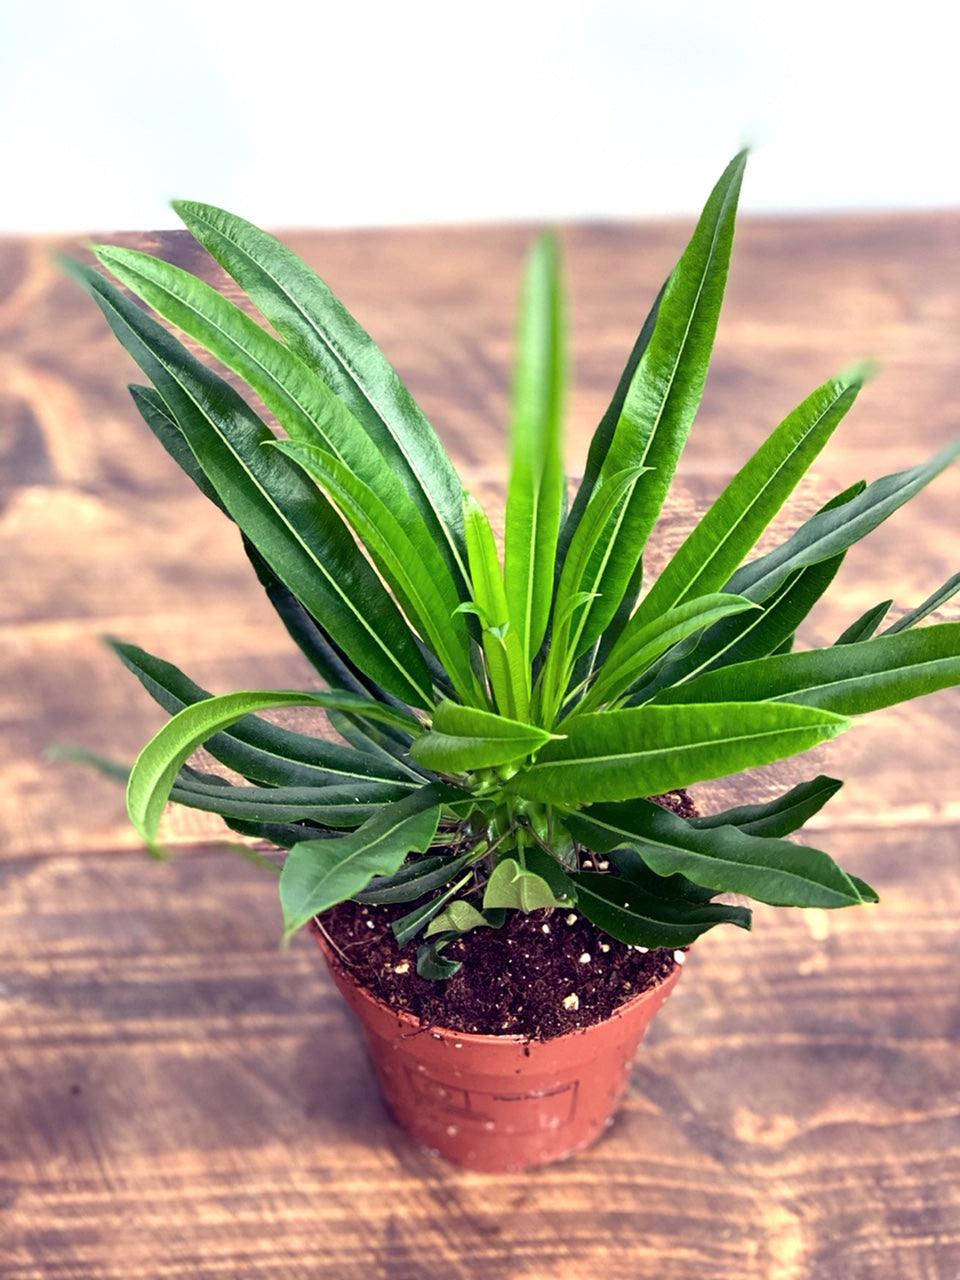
column 856, row 375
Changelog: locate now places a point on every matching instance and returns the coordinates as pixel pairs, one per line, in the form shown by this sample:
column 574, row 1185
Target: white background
column 366, row 113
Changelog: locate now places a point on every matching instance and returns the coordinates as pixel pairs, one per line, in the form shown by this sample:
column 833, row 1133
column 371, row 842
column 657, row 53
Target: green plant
column 498, row 722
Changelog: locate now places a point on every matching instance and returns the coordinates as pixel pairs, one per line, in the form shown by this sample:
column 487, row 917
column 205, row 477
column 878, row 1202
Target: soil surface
column 539, row 976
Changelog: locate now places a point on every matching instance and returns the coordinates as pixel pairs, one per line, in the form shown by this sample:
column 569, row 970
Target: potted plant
column 492, row 842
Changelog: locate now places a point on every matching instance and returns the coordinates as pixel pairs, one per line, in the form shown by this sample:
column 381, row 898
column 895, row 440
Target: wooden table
column 180, row 1098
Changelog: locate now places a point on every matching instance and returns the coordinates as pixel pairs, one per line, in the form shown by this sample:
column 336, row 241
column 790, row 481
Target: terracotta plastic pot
column 500, row 1103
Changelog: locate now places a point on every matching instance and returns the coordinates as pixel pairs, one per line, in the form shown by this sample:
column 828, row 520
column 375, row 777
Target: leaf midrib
column 579, row 761
column 911, row 667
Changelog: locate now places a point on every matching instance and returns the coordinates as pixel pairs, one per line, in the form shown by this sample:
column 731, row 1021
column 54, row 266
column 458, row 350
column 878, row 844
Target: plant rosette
column 498, row 725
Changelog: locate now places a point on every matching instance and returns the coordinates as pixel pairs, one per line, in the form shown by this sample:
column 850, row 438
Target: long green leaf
column 833, row 531
column 508, row 669
column 932, row 602
column 779, row 817
column 617, row 755
column 602, row 437
column 723, row 859
column 415, row 570
column 465, row 738
column 378, row 741
column 283, row 834
column 336, row 805
column 763, row 632
column 320, row 873
column 866, row 625
column 676, row 887
column 160, row 421
column 293, row 526
column 158, row 764
column 640, row 645
column 418, row 879
column 315, row 643
column 848, row 679
column 667, row 386
column 249, row 761
column 580, row 582
column 254, row 747
column 318, row 327
column 291, row 389
column 732, row 526
column 770, row 630
column 639, row 918
column 537, row 482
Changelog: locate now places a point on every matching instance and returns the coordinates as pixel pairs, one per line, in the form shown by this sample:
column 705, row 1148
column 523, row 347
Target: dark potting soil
column 539, row 976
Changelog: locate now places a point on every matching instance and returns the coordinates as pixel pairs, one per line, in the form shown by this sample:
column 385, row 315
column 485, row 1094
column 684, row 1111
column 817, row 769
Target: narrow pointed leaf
column 756, row 635
column 732, row 526
column 254, row 747
column 296, row 530
column 320, row 330
column 283, row 834
column 723, row 859
column 616, row 755
column 779, row 817
column 158, row 764
column 675, row 887
column 336, row 805
column 417, row 879
column 293, row 391
column 412, row 566
column 830, row 532
column 639, row 918
column 603, row 436
column 667, row 386
column 932, row 602
column 320, row 873
column 464, row 738
column 163, row 425
column 408, row 926
column 502, row 647
column 849, row 679
column 580, row 582
column 866, row 625
column 537, row 482
column 316, row 645
column 377, row 741
column 641, row 644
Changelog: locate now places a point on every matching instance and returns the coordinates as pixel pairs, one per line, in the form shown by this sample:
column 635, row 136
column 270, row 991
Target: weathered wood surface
column 178, row 1098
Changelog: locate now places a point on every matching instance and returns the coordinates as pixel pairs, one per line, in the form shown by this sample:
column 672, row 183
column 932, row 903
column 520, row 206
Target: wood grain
column 179, row 1098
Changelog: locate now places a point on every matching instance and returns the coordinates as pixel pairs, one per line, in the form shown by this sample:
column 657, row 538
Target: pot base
column 500, row 1104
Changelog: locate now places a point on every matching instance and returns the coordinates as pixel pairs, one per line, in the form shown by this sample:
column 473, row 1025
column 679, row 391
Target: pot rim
column 474, row 1037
